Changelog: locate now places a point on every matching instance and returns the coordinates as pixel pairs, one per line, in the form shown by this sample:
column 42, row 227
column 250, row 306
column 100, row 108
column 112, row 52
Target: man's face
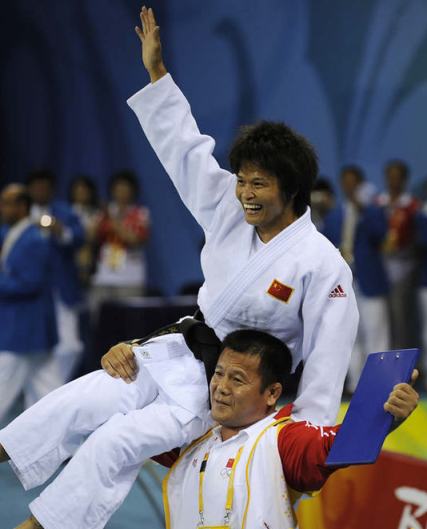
column 235, row 389
column 122, row 193
column 396, row 181
column 349, row 184
column 259, row 193
column 322, row 201
column 41, row 191
column 81, row 194
column 11, row 209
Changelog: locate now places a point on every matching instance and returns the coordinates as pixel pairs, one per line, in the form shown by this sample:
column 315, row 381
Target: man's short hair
column 85, row 181
column 275, row 357
column 354, row 169
column 279, row 150
column 127, row 176
column 41, row 174
column 23, row 197
column 400, row 165
column 323, row 184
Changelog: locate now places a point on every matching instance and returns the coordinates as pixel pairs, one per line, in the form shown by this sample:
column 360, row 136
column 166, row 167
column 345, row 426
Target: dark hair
column 41, row 174
column 275, row 357
column 400, row 165
column 23, row 197
column 323, row 184
column 278, row 149
column 125, row 176
column 89, row 183
column 354, row 169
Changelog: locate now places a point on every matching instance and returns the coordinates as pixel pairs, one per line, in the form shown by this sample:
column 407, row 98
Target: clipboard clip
column 396, row 356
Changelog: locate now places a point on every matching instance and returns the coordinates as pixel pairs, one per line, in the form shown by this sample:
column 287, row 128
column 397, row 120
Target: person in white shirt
column 251, row 469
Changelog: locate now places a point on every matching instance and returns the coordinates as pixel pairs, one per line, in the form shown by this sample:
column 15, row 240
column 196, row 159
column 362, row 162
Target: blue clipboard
column 366, row 424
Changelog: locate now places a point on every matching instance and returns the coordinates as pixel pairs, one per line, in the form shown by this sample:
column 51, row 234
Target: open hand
column 149, row 35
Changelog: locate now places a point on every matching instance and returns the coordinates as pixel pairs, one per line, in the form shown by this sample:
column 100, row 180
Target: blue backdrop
column 352, row 76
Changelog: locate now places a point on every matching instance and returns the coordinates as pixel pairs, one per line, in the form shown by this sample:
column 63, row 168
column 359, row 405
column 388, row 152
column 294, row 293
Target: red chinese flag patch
column 280, row 291
column 230, row 463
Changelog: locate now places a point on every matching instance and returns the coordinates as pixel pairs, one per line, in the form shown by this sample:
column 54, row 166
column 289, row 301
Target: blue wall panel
column 352, row 76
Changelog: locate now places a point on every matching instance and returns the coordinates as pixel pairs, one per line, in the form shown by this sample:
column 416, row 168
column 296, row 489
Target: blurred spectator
column 400, row 252
column 421, row 241
column 83, row 198
column 66, row 235
column 122, row 231
column 359, row 229
column 322, row 201
column 28, row 328
column 420, row 190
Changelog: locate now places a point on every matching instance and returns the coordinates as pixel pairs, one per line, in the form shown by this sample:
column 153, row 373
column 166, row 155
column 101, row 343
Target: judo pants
column 33, row 375
column 403, row 311
column 108, row 428
column 69, row 349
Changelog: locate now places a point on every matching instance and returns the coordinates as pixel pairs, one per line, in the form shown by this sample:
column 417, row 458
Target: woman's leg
column 98, row 478
column 49, row 432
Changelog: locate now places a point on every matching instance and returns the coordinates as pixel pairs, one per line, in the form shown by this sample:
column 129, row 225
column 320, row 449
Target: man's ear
column 273, row 393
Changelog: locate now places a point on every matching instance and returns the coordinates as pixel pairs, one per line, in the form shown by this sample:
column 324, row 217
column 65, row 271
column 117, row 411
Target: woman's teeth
column 252, row 207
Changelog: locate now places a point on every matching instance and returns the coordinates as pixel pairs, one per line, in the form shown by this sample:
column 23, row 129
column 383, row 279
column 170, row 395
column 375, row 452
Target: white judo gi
column 110, row 428
column 296, row 287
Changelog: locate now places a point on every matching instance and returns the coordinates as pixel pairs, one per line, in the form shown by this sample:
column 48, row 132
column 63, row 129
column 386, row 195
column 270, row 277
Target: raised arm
column 165, row 116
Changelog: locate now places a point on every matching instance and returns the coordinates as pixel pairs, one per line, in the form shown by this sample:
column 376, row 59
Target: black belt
column 198, row 336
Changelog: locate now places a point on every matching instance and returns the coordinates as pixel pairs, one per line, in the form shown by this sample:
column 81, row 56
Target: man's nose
column 222, row 387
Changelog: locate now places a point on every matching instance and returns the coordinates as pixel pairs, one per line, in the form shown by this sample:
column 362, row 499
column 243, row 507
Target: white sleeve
column 330, row 319
column 185, row 153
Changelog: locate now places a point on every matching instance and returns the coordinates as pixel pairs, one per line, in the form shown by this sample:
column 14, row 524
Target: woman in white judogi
column 274, row 272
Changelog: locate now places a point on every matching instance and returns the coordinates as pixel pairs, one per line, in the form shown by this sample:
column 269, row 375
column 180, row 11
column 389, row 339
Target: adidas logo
column 338, row 292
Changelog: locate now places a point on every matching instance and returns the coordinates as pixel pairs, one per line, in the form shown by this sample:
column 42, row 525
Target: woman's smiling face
column 261, row 197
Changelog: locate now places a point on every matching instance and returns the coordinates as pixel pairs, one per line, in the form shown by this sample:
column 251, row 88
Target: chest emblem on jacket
column 226, row 471
column 280, row 291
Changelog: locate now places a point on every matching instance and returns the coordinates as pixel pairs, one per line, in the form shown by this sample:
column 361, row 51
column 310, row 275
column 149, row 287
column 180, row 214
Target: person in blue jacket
column 28, row 328
column 358, row 228
column 66, row 234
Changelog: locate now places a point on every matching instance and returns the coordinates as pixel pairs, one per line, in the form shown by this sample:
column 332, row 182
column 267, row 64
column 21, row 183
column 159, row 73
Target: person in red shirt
column 244, row 391
column 122, row 230
column 303, row 446
column 400, row 252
